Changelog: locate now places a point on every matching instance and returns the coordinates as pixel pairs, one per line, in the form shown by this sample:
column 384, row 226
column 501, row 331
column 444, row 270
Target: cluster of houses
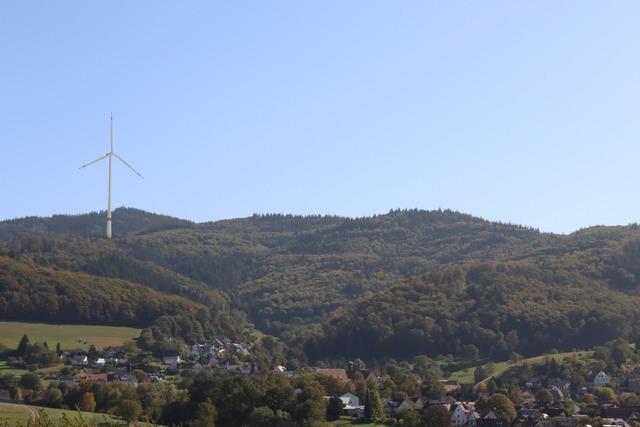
column 560, row 412
column 112, row 355
column 215, row 355
column 113, row 364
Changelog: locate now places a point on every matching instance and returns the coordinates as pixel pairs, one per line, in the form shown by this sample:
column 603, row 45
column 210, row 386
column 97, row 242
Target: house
column 450, row 385
column 239, row 348
column 355, row 411
column 421, row 402
column 372, row 376
column 601, row 379
column 473, row 419
column 528, row 412
column 340, row 374
column 79, row 360
column 283, row 371
column 624, row 412
column 101, row 361
column 459, row 415
column 350, row 400
column 116, row 355
column 197, row 368
column 610, row 422
column 171, row 360
column 562, row 384
column 68, row 381
column 406, row 404
column 99, row 378
column 490, row 420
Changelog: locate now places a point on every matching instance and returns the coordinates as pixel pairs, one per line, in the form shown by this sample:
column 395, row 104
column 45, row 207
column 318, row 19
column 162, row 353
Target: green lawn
column 69, row 336
column 13, row 415
column 348, row 421
column 47, row 374
column 60, row 414
column 465, row 376
column 7, row 370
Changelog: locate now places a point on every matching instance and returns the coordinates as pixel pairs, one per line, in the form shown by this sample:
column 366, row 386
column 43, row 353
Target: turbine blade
column 95, row 161
column 128, row 165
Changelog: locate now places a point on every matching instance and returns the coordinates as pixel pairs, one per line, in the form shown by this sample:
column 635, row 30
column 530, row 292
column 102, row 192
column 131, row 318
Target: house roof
column 624, row 412
column 348, row 395
column 96, row 377
column 340, row 374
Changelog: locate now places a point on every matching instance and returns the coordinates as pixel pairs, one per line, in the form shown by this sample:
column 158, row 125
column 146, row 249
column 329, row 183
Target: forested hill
column 289, row 271
column 284, row 271
column 125, row 221
column 307, row 279
column 580, row 290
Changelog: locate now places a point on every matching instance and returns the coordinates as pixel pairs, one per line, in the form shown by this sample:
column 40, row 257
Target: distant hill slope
column 29, row 292
column 505, row 307
column 306, row 278
column 285, row 271
column 125, row 221
column 288, row 271
column 577, row 291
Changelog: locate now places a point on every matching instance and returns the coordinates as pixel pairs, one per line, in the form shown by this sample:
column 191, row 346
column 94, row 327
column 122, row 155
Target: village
column 566, row 392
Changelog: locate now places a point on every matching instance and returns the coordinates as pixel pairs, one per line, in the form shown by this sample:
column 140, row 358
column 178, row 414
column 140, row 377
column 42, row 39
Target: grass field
column 348, row 421
column 465, row 376
column 12, row 415
column 70, row 337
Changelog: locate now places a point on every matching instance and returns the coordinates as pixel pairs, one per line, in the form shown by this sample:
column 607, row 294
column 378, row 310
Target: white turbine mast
column 109, row 155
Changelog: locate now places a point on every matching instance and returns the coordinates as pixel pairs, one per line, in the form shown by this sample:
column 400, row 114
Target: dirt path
column 34, row 414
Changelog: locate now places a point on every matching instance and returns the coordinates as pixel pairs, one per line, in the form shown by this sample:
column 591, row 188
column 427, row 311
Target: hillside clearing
column 466, row 376
column 70, row 337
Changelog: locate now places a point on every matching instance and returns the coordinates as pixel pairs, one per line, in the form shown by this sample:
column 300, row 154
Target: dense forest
column 405, row 283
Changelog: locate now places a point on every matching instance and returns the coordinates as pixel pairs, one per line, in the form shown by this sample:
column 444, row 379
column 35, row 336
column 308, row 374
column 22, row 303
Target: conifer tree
column 21, row 351
column 367, row 406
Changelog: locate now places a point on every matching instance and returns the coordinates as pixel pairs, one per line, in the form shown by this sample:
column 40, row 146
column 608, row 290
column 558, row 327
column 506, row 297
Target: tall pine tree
column 21, row 351
column 367, row 406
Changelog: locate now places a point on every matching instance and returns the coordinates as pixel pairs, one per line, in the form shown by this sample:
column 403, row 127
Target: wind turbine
column 109, row 155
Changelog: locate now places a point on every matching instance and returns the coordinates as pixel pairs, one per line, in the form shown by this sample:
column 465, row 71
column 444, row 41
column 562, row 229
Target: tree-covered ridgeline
column 405, row 283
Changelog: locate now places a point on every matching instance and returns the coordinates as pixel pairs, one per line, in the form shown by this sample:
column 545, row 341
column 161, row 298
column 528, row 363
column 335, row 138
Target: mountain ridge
column 294, row 276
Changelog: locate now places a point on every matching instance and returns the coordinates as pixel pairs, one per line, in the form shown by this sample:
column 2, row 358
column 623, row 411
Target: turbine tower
column 109, row 155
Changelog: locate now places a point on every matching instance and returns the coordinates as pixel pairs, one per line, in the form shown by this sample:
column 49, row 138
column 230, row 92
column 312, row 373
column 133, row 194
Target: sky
column 515, row 111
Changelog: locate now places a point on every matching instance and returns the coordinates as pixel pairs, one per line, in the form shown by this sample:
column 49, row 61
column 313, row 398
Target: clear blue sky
column 516, row 111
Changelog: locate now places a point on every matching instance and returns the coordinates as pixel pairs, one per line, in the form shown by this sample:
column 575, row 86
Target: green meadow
column 70, row 337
